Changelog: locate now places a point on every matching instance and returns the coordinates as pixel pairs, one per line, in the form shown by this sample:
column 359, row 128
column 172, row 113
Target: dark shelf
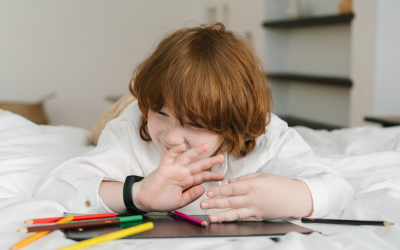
column 310, row 21
column 321, row 80
column 296, row 121
column 385, row 121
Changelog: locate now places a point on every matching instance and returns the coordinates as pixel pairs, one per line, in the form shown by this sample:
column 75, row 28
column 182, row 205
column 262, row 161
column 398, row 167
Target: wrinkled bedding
column 368, row 158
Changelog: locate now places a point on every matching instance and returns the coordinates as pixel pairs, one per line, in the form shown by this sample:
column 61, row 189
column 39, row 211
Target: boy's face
column 166, row 132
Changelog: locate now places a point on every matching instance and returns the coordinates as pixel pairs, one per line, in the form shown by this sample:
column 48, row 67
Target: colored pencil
column 39, row 235
column 78, row 217
column 348, row 222
column 92, row 223
column 111, row 236
column 80, row 221
column 190, row 218
column 138, row 216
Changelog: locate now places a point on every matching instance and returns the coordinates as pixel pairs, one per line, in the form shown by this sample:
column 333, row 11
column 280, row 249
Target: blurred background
column 331, row 63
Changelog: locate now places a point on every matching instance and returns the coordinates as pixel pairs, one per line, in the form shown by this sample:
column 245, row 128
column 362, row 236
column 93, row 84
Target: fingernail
column 210, row 194
column 214, row 219
column 232, row 179
column 204, row 205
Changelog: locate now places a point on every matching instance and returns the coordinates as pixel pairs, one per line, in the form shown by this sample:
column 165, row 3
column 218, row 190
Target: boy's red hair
column 211, row 76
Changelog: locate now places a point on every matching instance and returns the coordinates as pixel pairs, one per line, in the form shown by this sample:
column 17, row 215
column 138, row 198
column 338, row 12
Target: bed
column 368, row 158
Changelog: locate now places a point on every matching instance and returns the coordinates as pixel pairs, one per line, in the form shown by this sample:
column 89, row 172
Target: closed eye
column 162, row 113
column 192, row 125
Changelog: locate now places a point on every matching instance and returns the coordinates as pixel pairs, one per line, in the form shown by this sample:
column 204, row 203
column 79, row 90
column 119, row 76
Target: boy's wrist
column 107, row 192
column 136, row 187
column 303, row 200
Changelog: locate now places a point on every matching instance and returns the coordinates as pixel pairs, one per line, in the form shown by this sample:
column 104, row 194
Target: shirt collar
column 221, row 168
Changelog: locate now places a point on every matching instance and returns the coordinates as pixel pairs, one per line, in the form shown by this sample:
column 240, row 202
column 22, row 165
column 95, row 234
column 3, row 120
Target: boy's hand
column 174, row 184
column 259, row 196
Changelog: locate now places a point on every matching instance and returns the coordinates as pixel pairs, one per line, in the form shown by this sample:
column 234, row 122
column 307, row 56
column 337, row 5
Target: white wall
column 323, row 50
column 387, row 102
column 363, row 47
column 375, row 60
column 83, row 50
column 367, row 51
column 243, row 17
column 87, row 50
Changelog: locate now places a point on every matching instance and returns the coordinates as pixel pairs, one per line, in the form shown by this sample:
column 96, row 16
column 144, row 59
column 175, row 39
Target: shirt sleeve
column 75, row 183
column 285, row 153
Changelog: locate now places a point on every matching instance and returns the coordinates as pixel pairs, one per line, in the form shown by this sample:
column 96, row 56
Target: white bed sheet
column 368, row 157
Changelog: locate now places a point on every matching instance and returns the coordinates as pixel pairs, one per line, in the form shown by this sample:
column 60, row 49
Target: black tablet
column 167, row 226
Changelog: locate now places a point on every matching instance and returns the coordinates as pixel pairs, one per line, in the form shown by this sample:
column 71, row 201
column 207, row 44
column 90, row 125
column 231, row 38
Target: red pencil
column 78, row 217
column 190, row 218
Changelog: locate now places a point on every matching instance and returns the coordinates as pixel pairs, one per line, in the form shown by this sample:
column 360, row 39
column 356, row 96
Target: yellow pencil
column 38, row 235
column 111, row 236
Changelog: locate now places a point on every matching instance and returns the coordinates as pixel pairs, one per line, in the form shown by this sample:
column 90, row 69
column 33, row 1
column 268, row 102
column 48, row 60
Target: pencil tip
column 14, row 248
column 28, row 222
column 23, row 230
column 387, row 223
column 204, row 223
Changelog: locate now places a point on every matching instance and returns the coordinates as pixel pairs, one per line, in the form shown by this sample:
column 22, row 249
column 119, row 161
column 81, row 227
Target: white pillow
column 29, row 151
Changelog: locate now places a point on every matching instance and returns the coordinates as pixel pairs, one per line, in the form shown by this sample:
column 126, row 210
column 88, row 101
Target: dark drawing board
column 166, row 226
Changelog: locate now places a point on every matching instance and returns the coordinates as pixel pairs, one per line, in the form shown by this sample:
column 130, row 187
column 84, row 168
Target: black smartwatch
column 128, row 199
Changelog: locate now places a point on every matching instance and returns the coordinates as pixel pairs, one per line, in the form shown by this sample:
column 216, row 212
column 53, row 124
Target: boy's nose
column 173, row 136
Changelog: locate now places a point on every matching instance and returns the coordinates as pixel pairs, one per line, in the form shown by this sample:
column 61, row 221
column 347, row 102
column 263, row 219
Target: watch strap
column 128, row 199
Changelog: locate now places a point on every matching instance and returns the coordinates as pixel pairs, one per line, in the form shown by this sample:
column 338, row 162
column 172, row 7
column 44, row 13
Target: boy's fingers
column 185, row 158
column 244, row 177
column 248, row 176
column 226, row 202
column 191, row 195
column 198, row 166
column 234, row 188
column 207, row 176
column 231, row 215
column 170, row 156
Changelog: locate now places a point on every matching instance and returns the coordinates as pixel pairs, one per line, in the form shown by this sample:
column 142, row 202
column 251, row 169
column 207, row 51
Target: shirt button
column 87, row 203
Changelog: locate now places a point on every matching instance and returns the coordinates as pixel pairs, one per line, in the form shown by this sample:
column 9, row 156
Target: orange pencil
column 38, row 235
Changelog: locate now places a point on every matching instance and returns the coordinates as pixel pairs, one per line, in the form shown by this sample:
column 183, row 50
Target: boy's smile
column 166, row 132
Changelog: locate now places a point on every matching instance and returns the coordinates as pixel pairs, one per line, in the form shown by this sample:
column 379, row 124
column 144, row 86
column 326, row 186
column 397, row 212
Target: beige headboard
column 112, row 112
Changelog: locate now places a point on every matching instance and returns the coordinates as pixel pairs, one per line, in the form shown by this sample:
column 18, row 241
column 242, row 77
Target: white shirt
column 121, row 152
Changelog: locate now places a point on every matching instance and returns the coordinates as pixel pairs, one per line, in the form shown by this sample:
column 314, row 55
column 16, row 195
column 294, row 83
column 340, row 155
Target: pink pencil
column 190, row 218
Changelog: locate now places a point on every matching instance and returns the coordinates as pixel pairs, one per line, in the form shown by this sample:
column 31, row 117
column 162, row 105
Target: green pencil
column 124, row 218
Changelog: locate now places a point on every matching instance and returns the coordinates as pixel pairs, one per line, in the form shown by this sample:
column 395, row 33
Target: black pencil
column 348, row 222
